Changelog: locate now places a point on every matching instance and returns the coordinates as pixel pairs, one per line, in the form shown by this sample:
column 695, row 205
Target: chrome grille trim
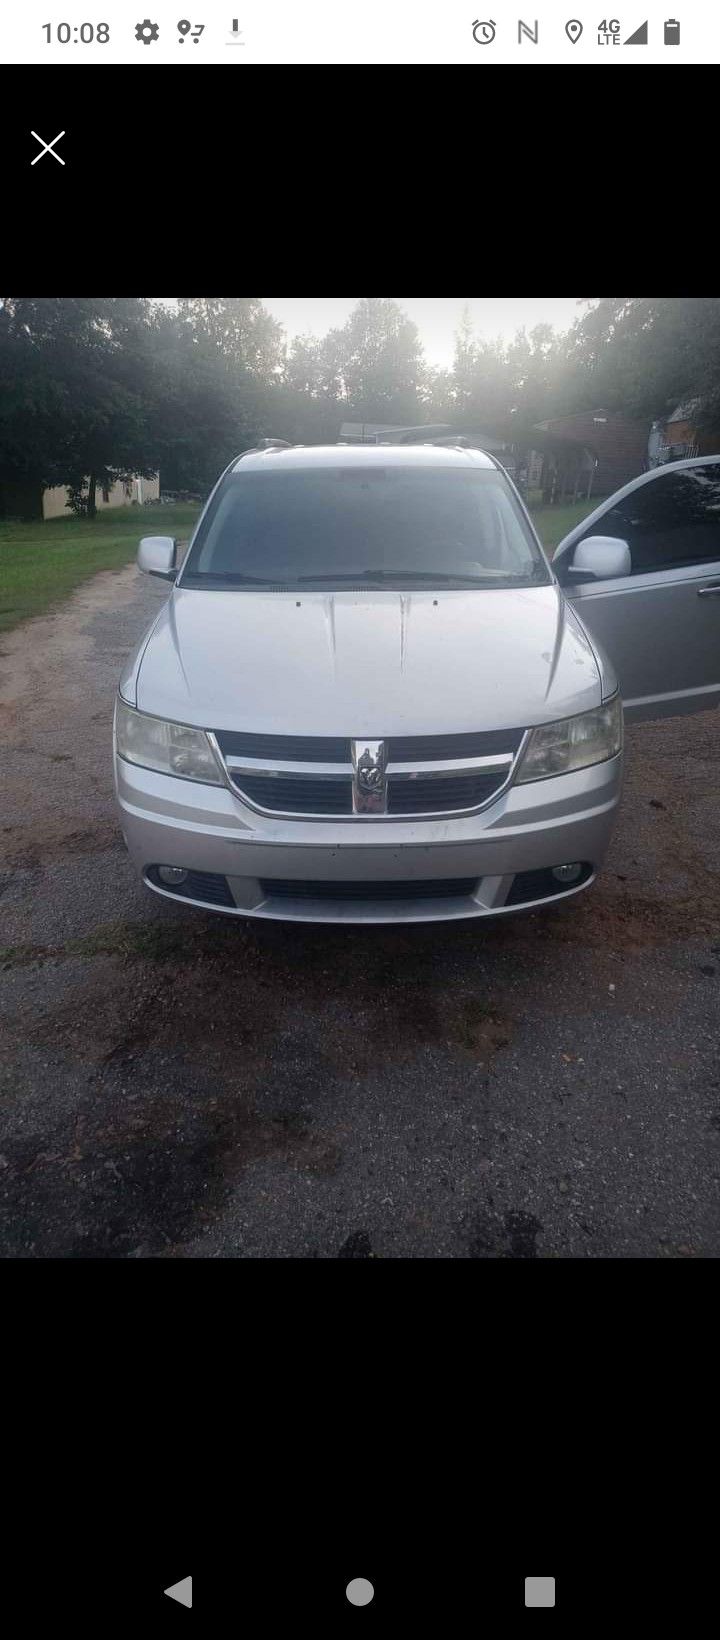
column 458, row 765
column 340, row 771
column 273, row 749
column 291, row 771
column 337, row 778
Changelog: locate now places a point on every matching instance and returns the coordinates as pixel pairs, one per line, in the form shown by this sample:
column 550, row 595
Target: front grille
column 315, row 795
column 284, row 748
column 333, row 749
column 435, row 795
column 430, row 748
column 263, row 770
column 450, row 888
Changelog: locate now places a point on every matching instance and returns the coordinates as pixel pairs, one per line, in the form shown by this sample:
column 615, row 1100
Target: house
column 594, row 451
column 123, row 493
column 678, row 438
column 587, row 454
column 681, row 437
column 680, row 441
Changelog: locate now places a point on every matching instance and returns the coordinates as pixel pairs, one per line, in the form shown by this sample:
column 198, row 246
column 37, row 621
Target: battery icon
column 672, row 32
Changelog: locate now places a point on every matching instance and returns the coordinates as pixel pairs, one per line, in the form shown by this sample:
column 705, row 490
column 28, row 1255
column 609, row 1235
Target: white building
column 122, row 494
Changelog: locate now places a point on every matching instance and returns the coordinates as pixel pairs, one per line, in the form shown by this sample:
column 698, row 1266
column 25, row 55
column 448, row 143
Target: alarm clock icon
column 483, row 33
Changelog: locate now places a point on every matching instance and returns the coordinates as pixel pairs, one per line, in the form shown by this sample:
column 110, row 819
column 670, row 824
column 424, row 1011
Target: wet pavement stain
column 488, row 1235
column 357, row 1245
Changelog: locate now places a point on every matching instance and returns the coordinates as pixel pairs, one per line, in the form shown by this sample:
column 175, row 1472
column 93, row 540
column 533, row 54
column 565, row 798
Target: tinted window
column 399, row 525
column 671, row 522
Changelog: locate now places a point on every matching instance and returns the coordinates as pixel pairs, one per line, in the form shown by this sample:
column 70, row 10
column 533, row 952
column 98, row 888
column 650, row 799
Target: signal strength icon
column 640, row 37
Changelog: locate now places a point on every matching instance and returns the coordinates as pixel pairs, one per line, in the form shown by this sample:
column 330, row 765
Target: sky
column 437, row 317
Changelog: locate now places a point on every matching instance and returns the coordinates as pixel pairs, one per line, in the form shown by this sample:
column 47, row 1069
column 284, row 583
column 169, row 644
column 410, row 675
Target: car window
column 672, row 522
column 398, row 523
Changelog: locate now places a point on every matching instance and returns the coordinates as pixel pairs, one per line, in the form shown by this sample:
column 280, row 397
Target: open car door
column 657, row 610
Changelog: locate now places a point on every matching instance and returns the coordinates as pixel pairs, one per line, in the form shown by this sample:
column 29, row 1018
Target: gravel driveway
column 174, row 1084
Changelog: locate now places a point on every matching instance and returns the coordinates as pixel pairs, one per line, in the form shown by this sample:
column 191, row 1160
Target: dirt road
column 180, row 1085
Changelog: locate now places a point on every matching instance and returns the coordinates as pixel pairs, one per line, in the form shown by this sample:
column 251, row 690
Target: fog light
column 567, row 874
column 171, row 875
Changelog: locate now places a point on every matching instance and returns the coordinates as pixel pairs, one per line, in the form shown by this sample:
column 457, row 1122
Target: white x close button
column 47, row 147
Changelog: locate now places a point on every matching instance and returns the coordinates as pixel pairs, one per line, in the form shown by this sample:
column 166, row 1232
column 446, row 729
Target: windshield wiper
column 235, row 580
column 435, row 576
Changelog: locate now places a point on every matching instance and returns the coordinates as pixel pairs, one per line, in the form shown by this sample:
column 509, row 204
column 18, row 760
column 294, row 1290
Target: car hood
column 367, row 663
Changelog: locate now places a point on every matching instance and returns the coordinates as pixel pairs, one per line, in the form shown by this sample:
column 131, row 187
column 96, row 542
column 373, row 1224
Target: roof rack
column 263, row 444
column 458, row 442
column 438, row 434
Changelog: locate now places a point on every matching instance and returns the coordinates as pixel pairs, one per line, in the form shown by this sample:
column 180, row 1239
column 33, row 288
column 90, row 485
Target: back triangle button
column 181, row 1591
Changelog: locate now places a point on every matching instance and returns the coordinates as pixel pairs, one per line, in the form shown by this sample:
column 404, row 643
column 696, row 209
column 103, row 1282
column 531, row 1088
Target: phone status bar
column 280, row 31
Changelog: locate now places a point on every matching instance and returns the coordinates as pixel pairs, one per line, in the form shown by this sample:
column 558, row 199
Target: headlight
column 171, row 748
column 573, row 743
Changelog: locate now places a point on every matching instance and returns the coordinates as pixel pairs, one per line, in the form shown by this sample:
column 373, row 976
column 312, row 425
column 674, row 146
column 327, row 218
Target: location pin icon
column 573, row 29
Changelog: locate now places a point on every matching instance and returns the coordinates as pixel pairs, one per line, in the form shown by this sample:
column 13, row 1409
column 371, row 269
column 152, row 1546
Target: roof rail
column 458, row 441
column 263, row 444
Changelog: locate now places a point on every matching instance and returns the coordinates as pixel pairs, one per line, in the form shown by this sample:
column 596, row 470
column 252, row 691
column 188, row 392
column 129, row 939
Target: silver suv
column 368, row 698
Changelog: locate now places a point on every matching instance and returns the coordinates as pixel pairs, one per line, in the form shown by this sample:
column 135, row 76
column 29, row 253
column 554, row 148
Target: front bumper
column 168, row 821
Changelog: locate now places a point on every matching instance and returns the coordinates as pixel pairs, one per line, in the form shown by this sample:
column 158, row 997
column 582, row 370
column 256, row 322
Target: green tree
column 465, row 365
column 480, row 388
column 311, row 368
column 240, row 331
column 375, row 364
column 535, row 365
column 210, row 393
column 643, row 354
column 74, row 388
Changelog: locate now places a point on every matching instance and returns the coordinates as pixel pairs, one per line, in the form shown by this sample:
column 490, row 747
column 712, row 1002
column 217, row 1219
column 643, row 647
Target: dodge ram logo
column 369, row 760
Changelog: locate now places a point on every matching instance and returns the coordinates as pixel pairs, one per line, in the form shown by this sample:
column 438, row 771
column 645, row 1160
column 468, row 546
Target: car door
column 660, row 625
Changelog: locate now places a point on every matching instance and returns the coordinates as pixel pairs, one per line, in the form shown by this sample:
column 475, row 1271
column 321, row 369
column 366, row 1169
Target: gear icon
column 147, row 32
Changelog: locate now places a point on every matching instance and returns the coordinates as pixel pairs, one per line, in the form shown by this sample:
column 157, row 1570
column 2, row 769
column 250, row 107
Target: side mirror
column 600, row 558
column 157, row 555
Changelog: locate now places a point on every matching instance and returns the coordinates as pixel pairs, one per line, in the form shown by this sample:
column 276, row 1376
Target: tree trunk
column 91, row 506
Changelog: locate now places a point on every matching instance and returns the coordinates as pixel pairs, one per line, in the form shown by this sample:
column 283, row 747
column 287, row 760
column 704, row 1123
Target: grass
column 41, row 563
column 554, row 523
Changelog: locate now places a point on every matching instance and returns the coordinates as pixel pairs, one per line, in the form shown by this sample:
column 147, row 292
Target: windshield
column 393, row 526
